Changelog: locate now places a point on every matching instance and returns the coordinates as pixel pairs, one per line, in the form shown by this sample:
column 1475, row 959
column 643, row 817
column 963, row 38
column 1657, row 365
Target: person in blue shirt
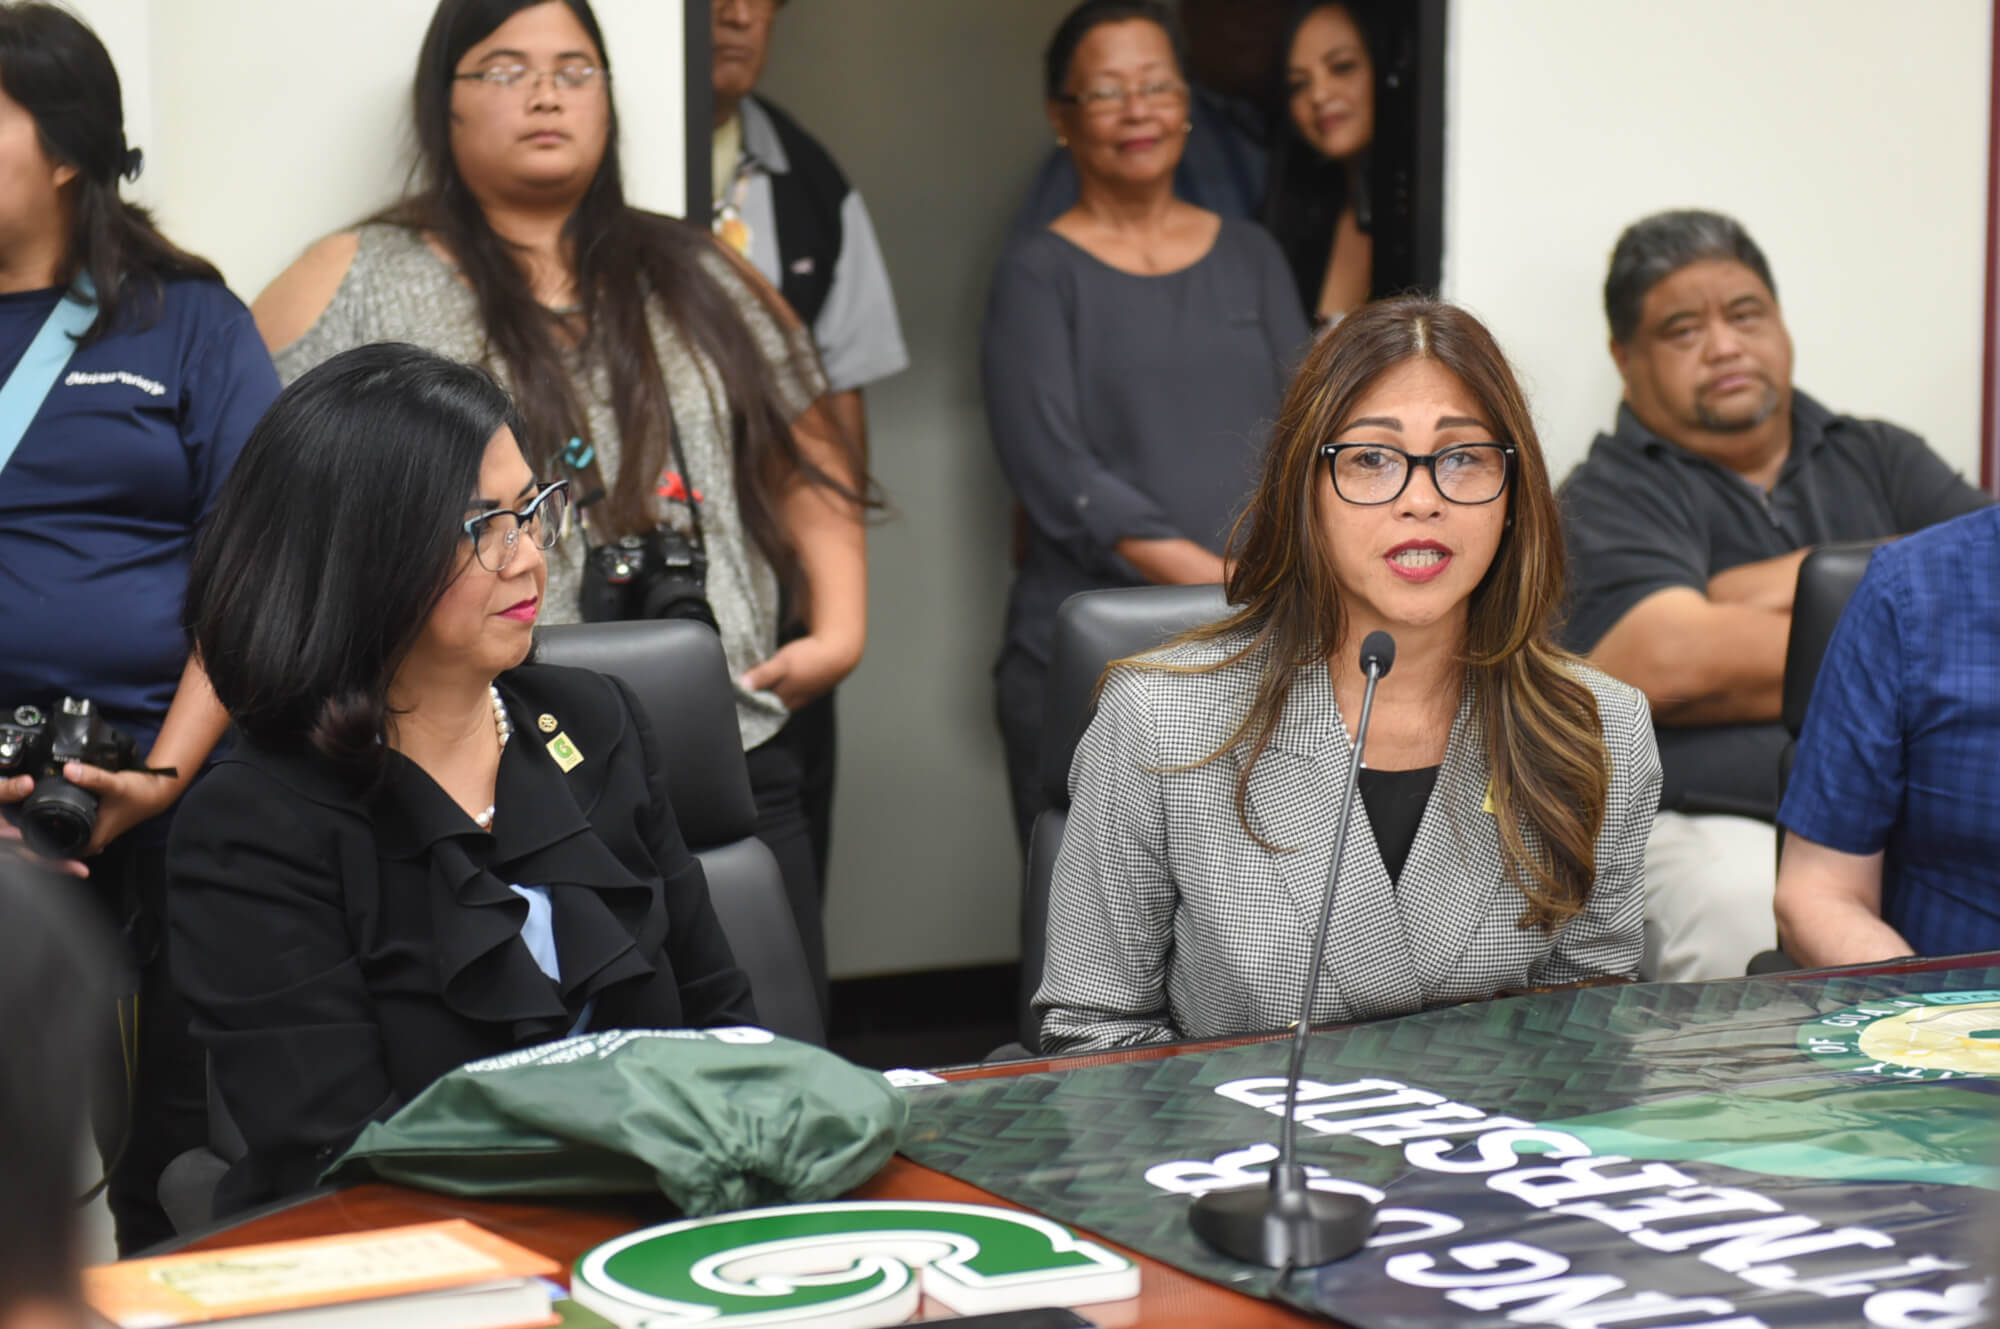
column 1892, row 816
column 115, row 468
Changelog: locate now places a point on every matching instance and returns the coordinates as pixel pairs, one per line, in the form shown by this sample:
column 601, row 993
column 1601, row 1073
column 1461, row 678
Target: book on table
column 449, row 1275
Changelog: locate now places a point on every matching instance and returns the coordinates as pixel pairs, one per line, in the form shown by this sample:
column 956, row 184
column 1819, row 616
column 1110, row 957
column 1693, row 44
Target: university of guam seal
column 1935, row 1036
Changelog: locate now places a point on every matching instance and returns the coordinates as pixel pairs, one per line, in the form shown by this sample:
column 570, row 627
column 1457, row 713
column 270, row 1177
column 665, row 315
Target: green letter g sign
column 851, row 1265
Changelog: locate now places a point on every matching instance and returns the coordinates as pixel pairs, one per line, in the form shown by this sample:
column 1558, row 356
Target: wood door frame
column 698, row 93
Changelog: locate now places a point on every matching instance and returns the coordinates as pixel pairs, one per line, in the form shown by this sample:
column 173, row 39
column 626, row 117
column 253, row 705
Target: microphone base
column 1300, row 1228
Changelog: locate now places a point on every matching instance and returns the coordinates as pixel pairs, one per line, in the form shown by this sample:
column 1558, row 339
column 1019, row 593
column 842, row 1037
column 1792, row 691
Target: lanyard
column 28, row 386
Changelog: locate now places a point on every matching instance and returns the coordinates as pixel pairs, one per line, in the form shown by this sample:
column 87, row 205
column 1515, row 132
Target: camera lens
column 677, row 597
column 58, row 818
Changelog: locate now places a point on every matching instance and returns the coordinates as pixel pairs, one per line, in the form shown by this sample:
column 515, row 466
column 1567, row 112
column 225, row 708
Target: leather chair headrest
column 1093, row 628
column 1827, row 579
column 676, row 668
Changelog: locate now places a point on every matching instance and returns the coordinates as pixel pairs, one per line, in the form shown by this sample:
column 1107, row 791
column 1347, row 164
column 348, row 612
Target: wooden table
column 1168, row 1298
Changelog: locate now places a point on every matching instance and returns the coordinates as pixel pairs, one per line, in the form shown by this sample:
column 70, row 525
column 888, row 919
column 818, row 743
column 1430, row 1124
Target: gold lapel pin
column 565, row 752
column 547, row 723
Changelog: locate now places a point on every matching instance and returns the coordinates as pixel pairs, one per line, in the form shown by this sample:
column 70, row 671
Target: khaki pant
column 1709, row 882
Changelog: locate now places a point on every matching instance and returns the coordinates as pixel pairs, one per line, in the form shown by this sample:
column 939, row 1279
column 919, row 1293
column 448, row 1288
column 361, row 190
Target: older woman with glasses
column 1499, row 837
column 422, row 851
column 1133, row 354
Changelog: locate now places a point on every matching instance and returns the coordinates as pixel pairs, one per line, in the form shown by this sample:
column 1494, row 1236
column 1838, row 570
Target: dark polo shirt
column 1641, row 514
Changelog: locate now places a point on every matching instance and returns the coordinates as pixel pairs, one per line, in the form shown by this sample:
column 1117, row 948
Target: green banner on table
column 1744, row 1153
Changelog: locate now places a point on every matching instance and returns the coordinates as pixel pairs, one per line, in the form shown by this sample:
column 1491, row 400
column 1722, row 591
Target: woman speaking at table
column 421, row 852
column 1509, row 787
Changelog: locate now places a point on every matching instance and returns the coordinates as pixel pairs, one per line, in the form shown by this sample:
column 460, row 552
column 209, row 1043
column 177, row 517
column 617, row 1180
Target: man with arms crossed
column 1686, row 526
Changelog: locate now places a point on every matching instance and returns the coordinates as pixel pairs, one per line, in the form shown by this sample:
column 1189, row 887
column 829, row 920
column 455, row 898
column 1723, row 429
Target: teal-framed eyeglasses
column 496, row 534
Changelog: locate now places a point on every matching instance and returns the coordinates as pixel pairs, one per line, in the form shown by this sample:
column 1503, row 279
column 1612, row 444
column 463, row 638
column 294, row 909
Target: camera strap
column 687, row 481
column 28, row 386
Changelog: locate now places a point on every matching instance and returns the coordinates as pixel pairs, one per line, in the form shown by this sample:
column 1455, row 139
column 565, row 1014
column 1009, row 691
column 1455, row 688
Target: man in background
column 783, row 203
column 54, row 1009
column 1686, row 527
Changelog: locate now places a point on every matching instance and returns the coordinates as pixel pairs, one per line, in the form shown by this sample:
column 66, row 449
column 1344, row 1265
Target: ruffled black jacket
column 340, row 952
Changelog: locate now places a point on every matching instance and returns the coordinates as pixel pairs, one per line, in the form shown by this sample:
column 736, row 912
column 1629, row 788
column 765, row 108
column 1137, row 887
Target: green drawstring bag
column 718, row 1119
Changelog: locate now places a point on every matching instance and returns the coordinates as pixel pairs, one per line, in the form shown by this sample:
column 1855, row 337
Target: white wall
column 1848, row 135
column 268, row 123
column 933, row 109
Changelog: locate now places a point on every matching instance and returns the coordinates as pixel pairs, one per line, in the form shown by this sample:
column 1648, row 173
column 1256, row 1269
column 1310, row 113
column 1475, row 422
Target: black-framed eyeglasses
column 1370, row 473
column 572, row 77
column 495, row 534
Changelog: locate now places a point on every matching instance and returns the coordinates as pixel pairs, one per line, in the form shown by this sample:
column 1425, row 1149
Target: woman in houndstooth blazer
column 1500, row 837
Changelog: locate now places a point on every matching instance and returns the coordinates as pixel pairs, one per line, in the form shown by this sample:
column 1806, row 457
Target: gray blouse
column 399, row 289
column 1130, row 406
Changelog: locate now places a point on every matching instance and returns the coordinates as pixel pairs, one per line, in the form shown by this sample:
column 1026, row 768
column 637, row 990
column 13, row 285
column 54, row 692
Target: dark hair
column 1656, row 247
column 54, row 1012
column 333, row 539
column 60, row 73
column 1544, row 744
column 1093, row 14
column 1304, row 192
column 624, row 261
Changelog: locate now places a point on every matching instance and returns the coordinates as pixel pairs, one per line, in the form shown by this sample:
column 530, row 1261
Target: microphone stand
column 1287, row 1224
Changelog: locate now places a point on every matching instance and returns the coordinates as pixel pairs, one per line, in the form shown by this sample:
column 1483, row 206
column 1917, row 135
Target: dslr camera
column 58, row 818
column 661, row 574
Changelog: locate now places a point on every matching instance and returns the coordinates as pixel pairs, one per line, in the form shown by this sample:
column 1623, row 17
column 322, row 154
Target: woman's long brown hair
column 1544, row 746
column 624, row 261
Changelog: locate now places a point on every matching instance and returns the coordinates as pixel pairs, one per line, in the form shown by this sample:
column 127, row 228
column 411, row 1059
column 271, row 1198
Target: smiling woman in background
column 1133, row 354
column 655, row 371
column 1316, row 199
column 1510, row 787
column 381, row 882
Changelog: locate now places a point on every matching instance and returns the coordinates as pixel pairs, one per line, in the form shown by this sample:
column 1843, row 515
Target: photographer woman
column 133, row 378
column 377, row 885
column 1500, row 836
column 657, row 374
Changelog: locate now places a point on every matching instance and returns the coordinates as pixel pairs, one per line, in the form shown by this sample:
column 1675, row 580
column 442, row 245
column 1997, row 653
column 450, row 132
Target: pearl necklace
column 505, row 728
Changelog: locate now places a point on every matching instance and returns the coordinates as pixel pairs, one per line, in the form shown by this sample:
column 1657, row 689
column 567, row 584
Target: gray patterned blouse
column 399, row 289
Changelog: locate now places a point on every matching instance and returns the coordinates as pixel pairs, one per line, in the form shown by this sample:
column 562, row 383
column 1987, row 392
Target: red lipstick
column 1411, row 560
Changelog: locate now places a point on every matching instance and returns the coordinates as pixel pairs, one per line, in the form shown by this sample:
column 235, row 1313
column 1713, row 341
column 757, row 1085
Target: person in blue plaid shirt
column 1892, row 817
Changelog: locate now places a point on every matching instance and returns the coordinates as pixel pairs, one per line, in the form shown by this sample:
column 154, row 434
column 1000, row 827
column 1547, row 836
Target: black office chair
column 1827, row 578
column 1093, row 628
column 677, row 670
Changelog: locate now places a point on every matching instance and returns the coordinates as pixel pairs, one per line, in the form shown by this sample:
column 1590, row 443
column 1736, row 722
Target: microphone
column 1287, row 1224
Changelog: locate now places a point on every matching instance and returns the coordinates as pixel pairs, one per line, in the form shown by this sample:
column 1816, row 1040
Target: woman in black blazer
column 421, row 851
